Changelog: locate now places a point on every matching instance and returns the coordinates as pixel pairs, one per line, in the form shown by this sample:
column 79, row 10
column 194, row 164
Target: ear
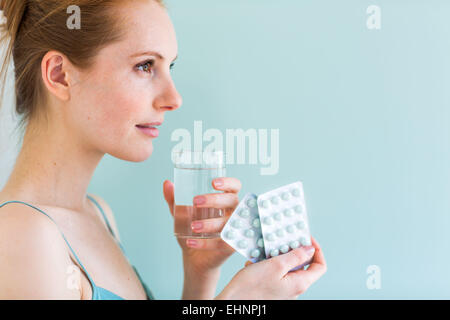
column 54, row 69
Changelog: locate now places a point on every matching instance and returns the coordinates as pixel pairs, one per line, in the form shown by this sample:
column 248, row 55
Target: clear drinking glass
column 193, row 175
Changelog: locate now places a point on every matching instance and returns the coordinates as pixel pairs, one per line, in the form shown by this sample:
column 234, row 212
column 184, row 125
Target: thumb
column 294, row 258
column 168, row 194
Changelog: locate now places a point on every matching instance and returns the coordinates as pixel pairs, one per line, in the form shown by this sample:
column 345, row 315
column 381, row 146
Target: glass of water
column 193, row 175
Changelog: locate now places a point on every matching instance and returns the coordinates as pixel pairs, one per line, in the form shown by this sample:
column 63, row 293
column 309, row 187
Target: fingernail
column 218, row 182
column 309, row 250
column 191, row 243
column 199, row 200
column 197, row 225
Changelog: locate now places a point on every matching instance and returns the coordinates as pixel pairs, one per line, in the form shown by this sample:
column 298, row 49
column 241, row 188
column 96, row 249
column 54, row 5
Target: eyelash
column 151, row 63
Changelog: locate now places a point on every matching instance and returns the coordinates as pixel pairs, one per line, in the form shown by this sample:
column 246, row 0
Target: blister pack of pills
column 284, row 220
column 243, row 230
column 270, row 224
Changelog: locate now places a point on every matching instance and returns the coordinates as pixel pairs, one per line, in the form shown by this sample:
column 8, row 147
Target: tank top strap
column 106, row 221
column 62, row 234
column 149, row 293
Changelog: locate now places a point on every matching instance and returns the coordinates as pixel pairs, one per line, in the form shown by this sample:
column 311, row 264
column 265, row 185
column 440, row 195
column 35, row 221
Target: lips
column 149, row 125
column 149, row 129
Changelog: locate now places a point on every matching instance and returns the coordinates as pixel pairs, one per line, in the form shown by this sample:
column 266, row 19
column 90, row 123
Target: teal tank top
column 98, row 293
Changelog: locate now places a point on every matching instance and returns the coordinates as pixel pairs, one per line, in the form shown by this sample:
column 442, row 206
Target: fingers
column 216, row 200
column 319, row 258
column 227, row 184
column 209, row 225
column 303, row 279
column 292, row 259
column 210, row 244
column 168, row 194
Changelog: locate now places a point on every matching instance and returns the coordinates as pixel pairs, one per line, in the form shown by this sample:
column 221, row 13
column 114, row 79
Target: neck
column 53, row 168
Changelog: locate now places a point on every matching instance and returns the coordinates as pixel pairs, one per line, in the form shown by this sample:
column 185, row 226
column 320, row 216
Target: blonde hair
column 34, row 27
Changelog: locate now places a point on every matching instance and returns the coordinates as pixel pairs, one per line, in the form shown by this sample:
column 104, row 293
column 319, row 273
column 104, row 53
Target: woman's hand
column 271, row 280
column 206, row 255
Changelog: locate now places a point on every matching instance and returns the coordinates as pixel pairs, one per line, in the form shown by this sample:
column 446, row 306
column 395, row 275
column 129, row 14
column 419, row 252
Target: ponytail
column 13, row 11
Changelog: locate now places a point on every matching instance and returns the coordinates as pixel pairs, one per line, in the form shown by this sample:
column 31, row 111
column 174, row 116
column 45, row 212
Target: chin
column 134, row 155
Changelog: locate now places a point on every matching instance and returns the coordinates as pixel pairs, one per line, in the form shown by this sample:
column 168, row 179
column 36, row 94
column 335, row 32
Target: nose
column 169, row 99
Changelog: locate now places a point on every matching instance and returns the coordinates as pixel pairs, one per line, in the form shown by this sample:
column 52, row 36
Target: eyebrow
column 151, row 53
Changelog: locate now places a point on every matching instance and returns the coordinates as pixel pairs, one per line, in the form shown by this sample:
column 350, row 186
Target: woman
column 103, row 88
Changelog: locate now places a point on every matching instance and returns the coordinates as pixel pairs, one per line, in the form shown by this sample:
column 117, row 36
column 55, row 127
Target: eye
column 172, row 65
column 146, row 66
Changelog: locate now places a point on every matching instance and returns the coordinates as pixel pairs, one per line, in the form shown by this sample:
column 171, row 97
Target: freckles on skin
column 114, row 96
column 119, row 99
column 113, row 107
column 121, row 92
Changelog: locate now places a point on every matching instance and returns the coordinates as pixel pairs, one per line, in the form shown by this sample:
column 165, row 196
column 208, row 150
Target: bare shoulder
column 108, row 212
column 34, row 256
column 20, row 223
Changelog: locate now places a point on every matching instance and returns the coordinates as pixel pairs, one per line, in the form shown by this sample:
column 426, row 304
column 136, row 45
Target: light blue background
column 364, row 123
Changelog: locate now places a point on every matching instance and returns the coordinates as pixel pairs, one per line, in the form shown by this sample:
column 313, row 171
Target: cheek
column 117, row 103
column 118, row 111
column 112, row 113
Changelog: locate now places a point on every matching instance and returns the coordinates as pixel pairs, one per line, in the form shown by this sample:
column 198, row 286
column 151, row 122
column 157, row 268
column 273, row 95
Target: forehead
column 147, row 27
